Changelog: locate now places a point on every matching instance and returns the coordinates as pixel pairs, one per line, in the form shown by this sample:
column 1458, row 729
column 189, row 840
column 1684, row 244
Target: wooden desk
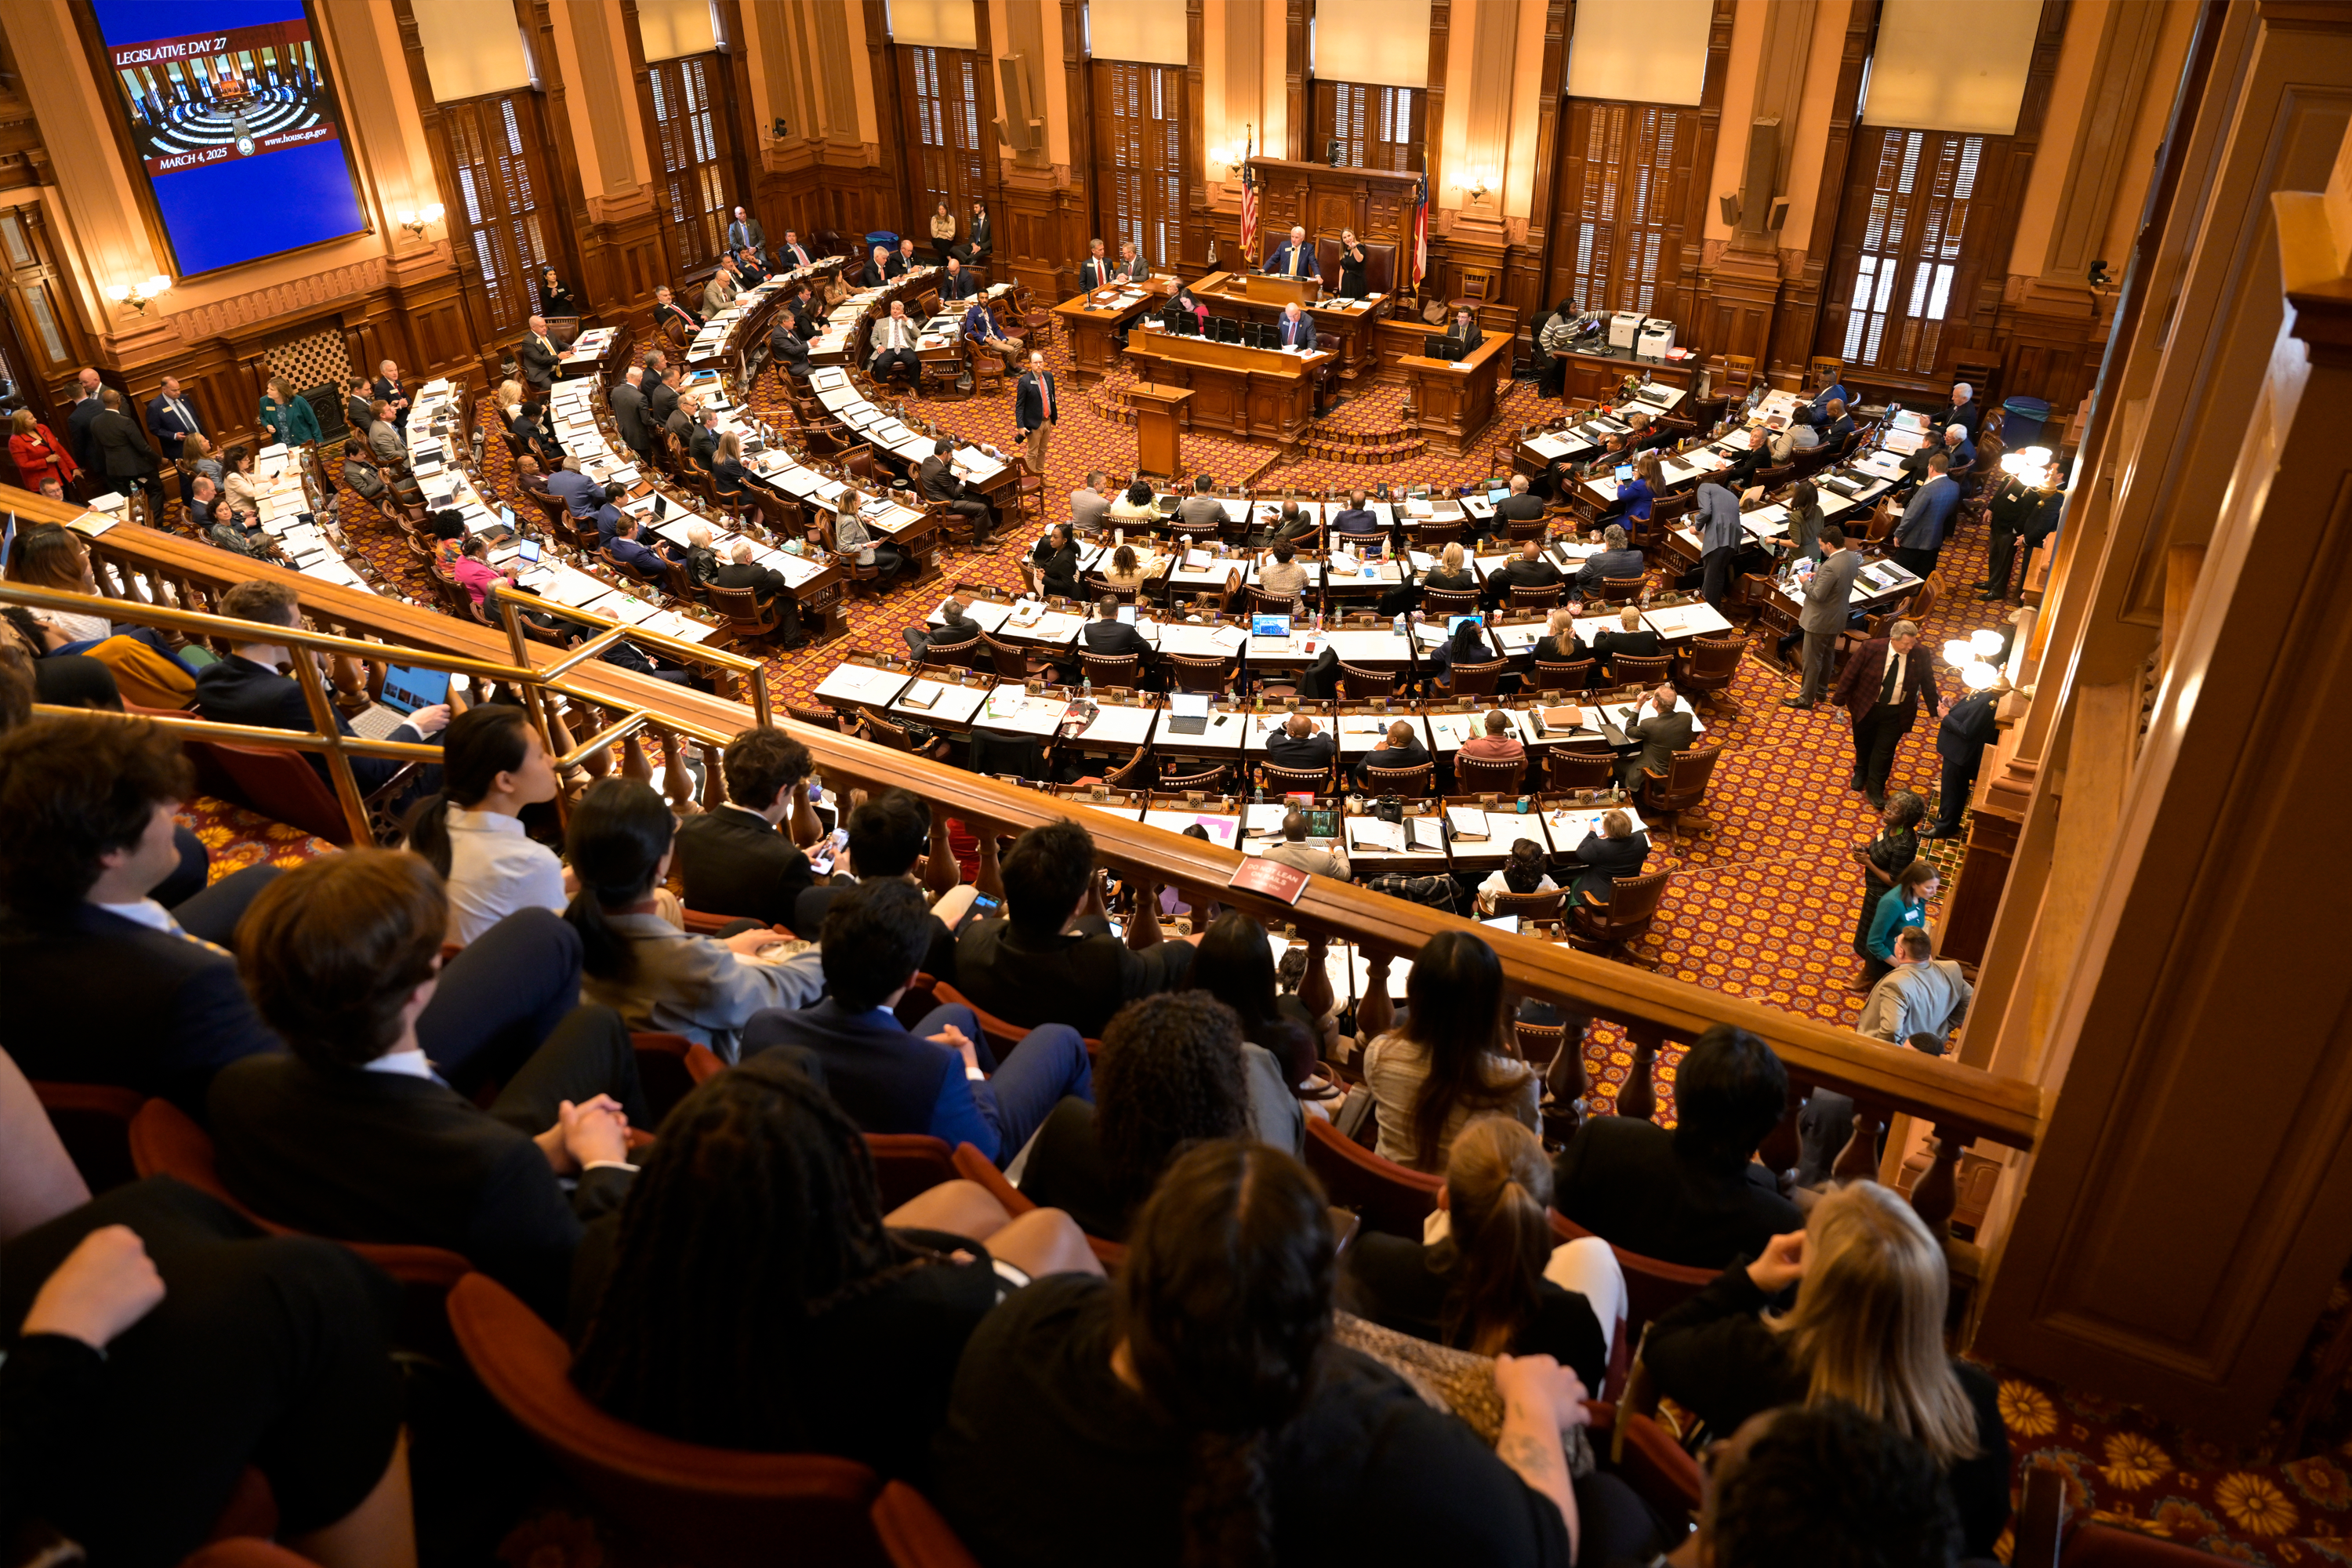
column 1262, row 393
column 1256, row 298
column 1092, row 326
column 1453, row 400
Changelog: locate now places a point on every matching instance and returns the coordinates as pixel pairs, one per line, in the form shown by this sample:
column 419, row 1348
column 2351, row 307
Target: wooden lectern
column 1275, row 289
column 1159, row 440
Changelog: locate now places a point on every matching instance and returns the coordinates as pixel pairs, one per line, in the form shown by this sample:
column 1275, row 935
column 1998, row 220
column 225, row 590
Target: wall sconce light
column 415, row 219
column 139, row 296
column 1481, row 182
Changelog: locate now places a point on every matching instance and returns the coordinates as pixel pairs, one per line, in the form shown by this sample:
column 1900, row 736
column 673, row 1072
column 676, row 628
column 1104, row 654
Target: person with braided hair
column 755, row 1295
column 1197, row 1412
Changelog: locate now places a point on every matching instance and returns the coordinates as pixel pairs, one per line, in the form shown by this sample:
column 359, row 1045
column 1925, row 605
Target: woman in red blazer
column 38, row 454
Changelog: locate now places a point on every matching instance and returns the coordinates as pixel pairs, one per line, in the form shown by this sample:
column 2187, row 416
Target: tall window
column 1906, row 219
column 1139, row 141
column 493, row 141
column 692, row 132
column 1624, row 187
column 943, row 92
column 1376, row 126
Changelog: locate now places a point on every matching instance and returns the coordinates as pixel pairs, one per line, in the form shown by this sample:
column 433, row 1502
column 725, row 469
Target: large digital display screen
column 234, row 123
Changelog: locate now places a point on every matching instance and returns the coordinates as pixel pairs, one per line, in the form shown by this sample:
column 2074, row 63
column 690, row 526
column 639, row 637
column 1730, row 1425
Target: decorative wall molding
column 295, row 295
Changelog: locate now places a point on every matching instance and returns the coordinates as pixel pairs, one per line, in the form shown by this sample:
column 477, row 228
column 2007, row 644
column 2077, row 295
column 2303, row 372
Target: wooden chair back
column 1552, row 676
column 1392, row 1199
column 1622, row 590
column 1361, row 683
column 1191, row 672
column 1110, row 670
column 1534, row 906
column 1475, row 679
column 1412, row 784
column 1578, row 770
column 1635, row 669
column 1535, row 598
column 1296, row 780
column 1485, row 775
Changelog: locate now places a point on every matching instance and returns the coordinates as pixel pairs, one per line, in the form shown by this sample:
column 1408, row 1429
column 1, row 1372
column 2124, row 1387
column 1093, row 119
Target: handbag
column 1459, row 1381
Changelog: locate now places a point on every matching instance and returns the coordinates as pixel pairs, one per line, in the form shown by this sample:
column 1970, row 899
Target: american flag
column 1249, row 213
column 1419, row 232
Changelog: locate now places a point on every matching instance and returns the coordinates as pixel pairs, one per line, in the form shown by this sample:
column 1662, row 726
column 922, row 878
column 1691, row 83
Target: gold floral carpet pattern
column 1762, row 905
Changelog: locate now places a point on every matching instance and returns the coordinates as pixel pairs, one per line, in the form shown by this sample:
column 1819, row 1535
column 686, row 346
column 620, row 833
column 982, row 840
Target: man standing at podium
column 1296, row 258
column 1036, row 409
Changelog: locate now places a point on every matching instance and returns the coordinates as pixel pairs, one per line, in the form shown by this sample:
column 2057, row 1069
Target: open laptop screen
column 1269, row 625
column 1189, row 704
column 406, row 689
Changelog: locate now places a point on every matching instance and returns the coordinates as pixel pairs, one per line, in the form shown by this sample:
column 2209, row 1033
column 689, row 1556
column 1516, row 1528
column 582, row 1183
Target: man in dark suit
column 1399, row 748
column 1528, row 569
column 669, row 312
column 956, row 634
column 767, row 585
column 1963, row 412
column 1968, row 727
column 1132, row 268
column 1297, row 328
column 940, row 483
column 1629, row 636
column 628, row 401
column 583, row 498
column 888, row 837
column 1094, row 271
column 877, row 270
column 1658, row 733
column 120, row 450
column 983, row 240
column 2020, row 511
column 1296, row 743
column 1110, row 638
column 955, row 283
column 355, row 1135
column 745, row 232
column 1519, row 506
column 1926, row 517
column 245, row 688
column 537, row 356
column 172, row 418
column 387, row 390
column 1693, row 1196
column 788, row 347
column 1823, row 614
column 661, row 393
column 631, row 553
column 1464, row 331
column 735, row 859
column 1054, row 959
column 703, row 444
column 1616, row 850
column 100, row 983
column 902, row 260
column 1036, row 412
column 88, row 406
column 792, row 253
column 359, row 408
column 938, row 1076
column 1614, row 559
column 1295, row 257
column 1882, row 687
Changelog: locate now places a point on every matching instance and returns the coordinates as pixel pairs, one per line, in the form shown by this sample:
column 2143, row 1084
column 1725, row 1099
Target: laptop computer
column 1188, row 712
column 405, row 692
column 1127, row 615
column 1269, row 625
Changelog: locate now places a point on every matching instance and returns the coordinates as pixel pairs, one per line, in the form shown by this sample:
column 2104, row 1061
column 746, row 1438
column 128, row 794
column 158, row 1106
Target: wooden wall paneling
column 586, row 266
column 1194, row 247
column 1696, row 177
column 1075, row 201
column 1987, row 288
column 1531, row 266
column 743, row 137
column 472, row 302
column 51, row 346
column 1803, row 276
column 1297, row 17
column 1441, row 32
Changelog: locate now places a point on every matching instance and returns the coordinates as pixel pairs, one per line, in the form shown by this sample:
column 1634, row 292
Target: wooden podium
column 1159, row 438
column 1278, row 290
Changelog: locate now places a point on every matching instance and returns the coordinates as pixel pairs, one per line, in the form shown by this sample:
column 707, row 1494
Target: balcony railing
column 610, row 706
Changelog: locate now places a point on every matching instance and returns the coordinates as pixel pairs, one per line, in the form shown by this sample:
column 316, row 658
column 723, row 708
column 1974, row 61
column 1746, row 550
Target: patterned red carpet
column 1762, row 905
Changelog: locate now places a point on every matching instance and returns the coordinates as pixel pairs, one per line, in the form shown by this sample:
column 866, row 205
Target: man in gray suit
column 537, row 356
column 628, row 401
column 1823, row 614
column 1132, row 268
column 1201, row 509
column 1660, row 732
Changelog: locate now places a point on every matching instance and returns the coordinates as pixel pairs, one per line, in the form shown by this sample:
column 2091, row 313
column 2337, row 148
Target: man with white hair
column 628, row 401
column 1963, row 412
column 537, row 356
column 1297, row 329
column 893, row 343
column 767, row 585
column 1036, row 411
column 1882, row 687
column 387, row 389
column 1296, row 258
column 701, row 561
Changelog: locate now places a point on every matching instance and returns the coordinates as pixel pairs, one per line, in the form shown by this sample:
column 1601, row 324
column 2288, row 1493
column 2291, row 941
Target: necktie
column 1048, row 384
column 1886, row 692
column 181, row 409
column 1294, row 261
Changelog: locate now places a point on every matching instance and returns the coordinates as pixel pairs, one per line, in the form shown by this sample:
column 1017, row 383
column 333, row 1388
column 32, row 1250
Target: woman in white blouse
column 244, row 495
column 1445, row 1063
column 493, row 765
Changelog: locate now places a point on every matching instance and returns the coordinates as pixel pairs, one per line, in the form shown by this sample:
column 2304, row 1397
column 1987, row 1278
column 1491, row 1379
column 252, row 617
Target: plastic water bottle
column 1399, row 626
column 1086, row 685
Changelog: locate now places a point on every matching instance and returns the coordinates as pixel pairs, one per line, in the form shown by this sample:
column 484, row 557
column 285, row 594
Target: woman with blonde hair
column 1867, row 1328
column 1491, row 1279
column 1452, row 570
column 38, row 453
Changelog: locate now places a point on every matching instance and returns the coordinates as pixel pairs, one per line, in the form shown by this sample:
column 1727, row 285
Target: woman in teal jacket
column 288, row 417
column 1904, row 904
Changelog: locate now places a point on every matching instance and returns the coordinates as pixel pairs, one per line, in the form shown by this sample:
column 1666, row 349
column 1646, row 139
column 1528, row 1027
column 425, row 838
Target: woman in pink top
column 474, row 572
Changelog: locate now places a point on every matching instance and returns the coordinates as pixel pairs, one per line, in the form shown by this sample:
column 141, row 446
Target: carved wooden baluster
column 1783, row 1147
column 986, row 877
column 1858, row 1161
column 1375, row 1011
column 1937, row 1191
column 1144, row 920
column 1314, row 987
column 598, row 762
column 676, row 783
column 941, row 872
column 803, row 822
column 634, row 764
column 1639, row 1097
column 349, row 679
column 714, row 791
column 560, row 736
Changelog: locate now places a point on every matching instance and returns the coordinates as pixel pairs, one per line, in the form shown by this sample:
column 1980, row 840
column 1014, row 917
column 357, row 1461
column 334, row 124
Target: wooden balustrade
column 1962, row 1104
